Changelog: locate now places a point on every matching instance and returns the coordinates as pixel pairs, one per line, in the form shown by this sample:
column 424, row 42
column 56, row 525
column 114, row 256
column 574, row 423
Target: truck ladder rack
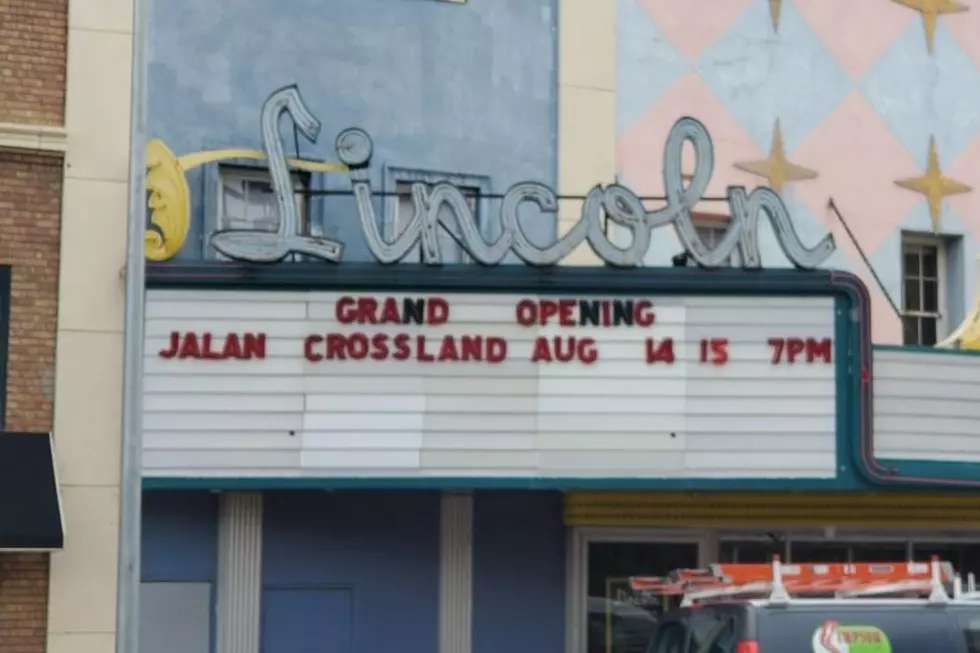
column 778, row 583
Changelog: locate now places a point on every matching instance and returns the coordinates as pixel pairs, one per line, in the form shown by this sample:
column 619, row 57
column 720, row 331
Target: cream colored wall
column 586, row 107
column 88, row 386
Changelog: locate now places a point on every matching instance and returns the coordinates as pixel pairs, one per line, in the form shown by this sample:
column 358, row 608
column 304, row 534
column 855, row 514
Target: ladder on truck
column 779, row 583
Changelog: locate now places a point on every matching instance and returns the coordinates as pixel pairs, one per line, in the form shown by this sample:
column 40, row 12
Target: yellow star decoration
column 934, row 186
column 777, row 169
column 931, row 10
column 775, row 6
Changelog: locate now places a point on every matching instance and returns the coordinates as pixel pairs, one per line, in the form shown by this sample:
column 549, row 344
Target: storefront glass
column 965, row 556
column 619, row 619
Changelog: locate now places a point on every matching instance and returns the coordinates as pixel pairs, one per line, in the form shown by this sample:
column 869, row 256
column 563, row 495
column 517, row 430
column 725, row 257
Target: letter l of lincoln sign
column 618, row 204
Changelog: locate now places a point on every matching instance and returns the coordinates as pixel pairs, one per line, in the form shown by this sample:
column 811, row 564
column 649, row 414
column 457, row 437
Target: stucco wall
column 32, row 100
column 82, row 613
column 459, row 88
column 30, row 196
column 857, row 93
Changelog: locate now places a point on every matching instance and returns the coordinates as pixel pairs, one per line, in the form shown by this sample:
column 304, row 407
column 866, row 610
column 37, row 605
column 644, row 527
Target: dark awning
column 30, row 502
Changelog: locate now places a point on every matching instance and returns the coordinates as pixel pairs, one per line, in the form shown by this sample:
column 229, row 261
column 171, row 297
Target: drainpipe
column 131, row 489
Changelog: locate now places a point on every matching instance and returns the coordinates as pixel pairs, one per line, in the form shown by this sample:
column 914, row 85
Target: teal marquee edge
column 856, row 466
column 949, row 475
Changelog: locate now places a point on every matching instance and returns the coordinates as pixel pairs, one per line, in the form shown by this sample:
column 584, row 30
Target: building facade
column 32, row 147
column 87, row 378
column 379, row 398
column 64, row 152
column 878, row 134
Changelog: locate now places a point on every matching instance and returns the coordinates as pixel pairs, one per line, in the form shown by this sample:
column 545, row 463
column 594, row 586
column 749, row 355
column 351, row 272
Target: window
column 452, row 251
column 621, row 618
column 971, row 632
column 712, row 632
column 672, row 638
column 964, row 556
column 922, row 291
column 248, row 201
column 711, row 230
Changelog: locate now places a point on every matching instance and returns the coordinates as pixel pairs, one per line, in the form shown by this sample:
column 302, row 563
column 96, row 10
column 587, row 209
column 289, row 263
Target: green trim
column 501, row 483
column 937, row 473
column 355, row 277
column 913, row 349
column 517, row 279
column 857, row 466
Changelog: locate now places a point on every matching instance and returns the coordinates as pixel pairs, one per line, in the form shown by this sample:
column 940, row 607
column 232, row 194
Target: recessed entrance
column 607, row 616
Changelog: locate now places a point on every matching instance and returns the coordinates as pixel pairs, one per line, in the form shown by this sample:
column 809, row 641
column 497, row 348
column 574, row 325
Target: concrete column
column 239, row 572
column 456, row 573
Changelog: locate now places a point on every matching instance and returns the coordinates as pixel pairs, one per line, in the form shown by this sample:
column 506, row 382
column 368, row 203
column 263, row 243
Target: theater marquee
column 334, row 384
column 329, row 371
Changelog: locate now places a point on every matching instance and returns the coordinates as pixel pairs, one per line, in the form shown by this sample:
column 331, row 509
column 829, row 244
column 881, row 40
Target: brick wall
column 33, row 37
column 33, row 40
column 30, row 207
column 33, row 44
column 23, row 602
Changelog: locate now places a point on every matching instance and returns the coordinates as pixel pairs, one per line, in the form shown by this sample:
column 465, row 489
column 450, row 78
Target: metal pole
column 131, row 489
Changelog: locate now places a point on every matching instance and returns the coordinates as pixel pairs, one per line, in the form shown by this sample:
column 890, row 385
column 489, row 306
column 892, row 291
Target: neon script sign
column 613, row 202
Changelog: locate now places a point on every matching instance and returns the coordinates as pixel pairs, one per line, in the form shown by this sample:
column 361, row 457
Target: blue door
column 308, row 620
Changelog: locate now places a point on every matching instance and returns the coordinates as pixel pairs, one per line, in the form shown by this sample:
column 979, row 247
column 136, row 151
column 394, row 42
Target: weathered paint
column 877, row 105
column 445, row 88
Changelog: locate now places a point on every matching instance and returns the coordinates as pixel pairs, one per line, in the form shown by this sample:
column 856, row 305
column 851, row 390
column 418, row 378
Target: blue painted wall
column 350, row 572
column 518, row 572
column 180, row 537
column 468, row 89
column 355, row 571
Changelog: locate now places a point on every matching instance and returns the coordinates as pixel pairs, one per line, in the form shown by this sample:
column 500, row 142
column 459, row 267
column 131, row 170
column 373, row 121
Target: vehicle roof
column 825, row 604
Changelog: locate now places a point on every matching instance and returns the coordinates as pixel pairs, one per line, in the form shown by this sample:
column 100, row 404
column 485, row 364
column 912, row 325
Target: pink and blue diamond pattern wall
column 856, row 93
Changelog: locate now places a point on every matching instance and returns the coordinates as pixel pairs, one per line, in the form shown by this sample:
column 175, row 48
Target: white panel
column 280, row 414
column 239, row 572
column 456, row 573
column 388, row 459
column 926, row 406
column 175, row 617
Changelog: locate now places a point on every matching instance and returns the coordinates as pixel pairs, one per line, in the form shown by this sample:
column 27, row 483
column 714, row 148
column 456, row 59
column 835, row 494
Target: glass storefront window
column 818, row 552
column 619, row 619
column 965, row 557
column 879, row 552
column 757, row 551
column 751, row 551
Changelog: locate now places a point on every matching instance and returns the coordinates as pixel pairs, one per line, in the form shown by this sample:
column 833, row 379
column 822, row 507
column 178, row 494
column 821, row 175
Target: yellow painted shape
column 743, row 509
column 967, row 334
column 191, row 161
column 934, row 186
column 775, row 9
column 169, row 201
column 777, row 169
column 931, row 10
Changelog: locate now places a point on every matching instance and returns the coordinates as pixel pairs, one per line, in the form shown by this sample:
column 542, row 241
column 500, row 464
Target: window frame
column 403, row 192
column 709, row 540
column 718, row 224
column 396, row 176
column 301, row 182
column 916, row 241
column 577, row 562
